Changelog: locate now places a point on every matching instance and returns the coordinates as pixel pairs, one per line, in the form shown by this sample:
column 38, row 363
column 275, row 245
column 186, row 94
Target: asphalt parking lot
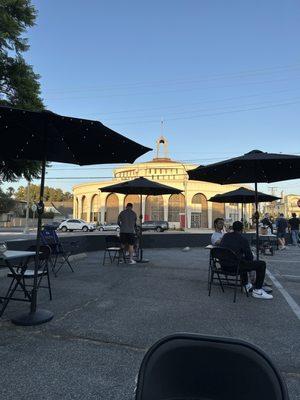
column 107, row 316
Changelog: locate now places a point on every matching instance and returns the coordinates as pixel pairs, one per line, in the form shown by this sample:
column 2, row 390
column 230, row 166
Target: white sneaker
column 261, row 294
column 248, row 287
column 132, row 262
column 267, row 289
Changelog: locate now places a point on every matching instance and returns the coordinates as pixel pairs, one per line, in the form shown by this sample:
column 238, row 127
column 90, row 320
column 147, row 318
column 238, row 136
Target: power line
column 211, row 114
column 232, row 75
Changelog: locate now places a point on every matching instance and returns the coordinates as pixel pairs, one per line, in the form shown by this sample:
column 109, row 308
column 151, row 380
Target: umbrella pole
column 141, row 259
column 36, row 316
column 256, row 222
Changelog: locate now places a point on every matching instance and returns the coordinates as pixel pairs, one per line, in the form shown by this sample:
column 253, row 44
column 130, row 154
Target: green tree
column 19, row 84
column 6, row 203
column 50, row 194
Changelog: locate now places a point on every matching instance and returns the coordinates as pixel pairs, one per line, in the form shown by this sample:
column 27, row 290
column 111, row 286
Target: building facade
column 190, row 209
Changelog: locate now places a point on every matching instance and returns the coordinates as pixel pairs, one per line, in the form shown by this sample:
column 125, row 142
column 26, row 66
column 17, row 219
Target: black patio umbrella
column 242, row 196
column 46, row 136
column 141, row 186
column 253, row 167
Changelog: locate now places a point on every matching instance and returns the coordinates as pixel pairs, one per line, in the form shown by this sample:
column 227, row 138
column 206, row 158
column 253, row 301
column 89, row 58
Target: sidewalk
column 107, row 316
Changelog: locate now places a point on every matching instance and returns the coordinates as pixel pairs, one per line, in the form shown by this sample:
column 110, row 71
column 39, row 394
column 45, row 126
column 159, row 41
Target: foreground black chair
column 224, row 267
column 196, row 367
column 113, row 250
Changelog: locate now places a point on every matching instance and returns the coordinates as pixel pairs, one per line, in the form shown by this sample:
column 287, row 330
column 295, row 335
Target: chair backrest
column 49, row 236
column 112, row 241
column 192, row 367
column 225, row 257
column 44, row 253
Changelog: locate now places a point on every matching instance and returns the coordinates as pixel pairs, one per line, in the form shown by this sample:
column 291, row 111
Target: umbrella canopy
column 242, row 195
column 45, row 135
column 141, row 186
column 255, row 166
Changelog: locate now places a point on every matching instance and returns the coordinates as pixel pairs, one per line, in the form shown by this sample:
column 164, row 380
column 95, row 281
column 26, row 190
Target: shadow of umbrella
column 253, row 167
column 141, row 186
column 46, row 136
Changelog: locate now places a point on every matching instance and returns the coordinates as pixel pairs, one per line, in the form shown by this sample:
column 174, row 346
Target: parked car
column 52, row 225
column 76, row 225
column 109, row 227
column 158, row 226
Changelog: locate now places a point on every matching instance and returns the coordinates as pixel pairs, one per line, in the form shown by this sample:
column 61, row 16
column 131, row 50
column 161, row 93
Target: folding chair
column 49, row 237
column 196, row 367
column 113, row 250
column 43, row 269
column 224, row 267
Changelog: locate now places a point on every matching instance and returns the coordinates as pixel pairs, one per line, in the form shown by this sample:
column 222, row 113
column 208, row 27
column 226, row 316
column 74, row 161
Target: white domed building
column 190, row 209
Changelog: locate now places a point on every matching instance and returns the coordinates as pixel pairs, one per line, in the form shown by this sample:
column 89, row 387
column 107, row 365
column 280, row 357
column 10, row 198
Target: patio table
column 17, row 271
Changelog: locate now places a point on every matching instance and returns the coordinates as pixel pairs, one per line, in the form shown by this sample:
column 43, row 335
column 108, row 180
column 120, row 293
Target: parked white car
column 76, row 225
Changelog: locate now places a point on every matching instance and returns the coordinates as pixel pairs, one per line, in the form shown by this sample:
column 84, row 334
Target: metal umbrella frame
column 141, row 186
column 242, row 196
column 46, row 136
column 253, row 167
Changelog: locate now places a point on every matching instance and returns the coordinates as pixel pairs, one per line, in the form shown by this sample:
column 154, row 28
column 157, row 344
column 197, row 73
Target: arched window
column 135, row 200
column 176, row 207
column 95, row 209
column 154, row 208
column 111, row 208
column 199, row 214
column 84, row 208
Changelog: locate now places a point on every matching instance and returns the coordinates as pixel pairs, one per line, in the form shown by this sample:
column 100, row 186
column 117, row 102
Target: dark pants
column 258, row 266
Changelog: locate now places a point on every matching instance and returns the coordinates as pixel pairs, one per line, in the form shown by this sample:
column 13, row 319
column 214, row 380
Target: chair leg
column 235, row 288
column 220, row 281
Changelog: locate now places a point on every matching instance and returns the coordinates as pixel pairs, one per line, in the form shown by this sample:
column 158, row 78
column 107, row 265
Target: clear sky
column 223, row 75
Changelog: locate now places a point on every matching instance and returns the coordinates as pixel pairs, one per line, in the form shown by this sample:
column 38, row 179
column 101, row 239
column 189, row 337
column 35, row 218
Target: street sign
column 33, row 208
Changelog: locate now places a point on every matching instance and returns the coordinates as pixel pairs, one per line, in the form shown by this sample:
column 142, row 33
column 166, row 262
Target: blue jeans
column 295, row 235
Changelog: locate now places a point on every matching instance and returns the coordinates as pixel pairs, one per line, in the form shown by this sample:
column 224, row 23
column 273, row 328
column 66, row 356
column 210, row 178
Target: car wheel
column 64, row 229
column 101, row 229
column 85, row 228
column 158, row 229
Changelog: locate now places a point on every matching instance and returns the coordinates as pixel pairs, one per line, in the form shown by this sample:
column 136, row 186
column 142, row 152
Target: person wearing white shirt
column 216, row 237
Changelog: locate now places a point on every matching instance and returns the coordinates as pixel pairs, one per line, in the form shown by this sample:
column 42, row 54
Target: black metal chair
column 59, row 252
column 43, row 270
column 224, row 267
column 113, row 250
column 196, row 367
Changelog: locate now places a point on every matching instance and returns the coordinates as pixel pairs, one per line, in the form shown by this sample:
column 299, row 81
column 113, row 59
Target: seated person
column 236, row 242
column 219, row 232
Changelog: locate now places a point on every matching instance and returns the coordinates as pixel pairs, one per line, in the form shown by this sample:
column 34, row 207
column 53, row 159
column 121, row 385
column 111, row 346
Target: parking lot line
column 291, row 302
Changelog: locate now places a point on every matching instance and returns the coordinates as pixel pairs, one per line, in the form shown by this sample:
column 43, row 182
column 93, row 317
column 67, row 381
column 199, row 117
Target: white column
column 166, row 205
column 209, row 214
column 79, row 210
column 89, row 208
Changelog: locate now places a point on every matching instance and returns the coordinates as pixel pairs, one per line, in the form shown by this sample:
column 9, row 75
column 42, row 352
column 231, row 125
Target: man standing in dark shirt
column 281, row 225
column 236, row 242
column 127, row 223
column 294, row 224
